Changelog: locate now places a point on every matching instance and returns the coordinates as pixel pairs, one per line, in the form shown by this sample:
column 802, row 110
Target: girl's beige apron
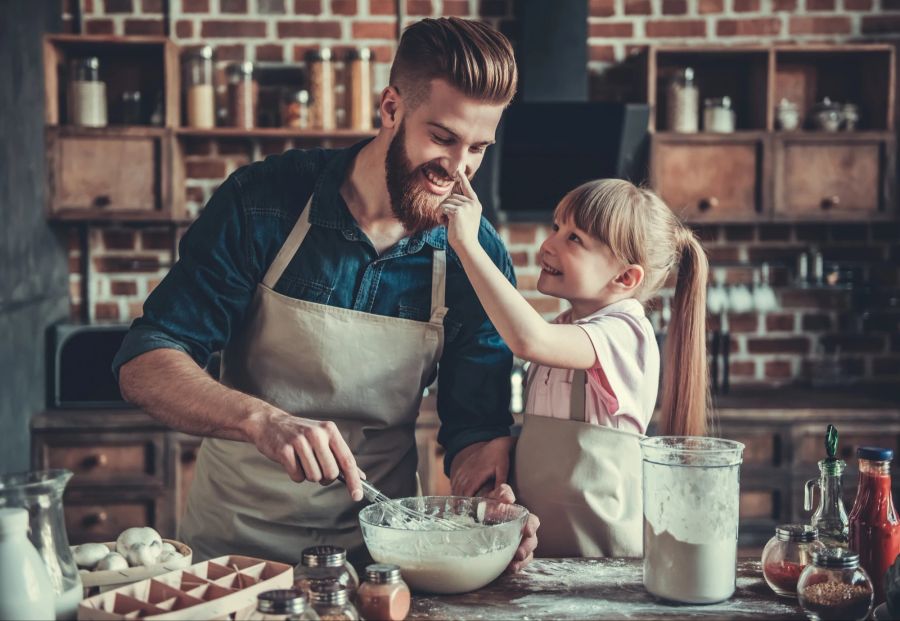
column 582, row 480
column 365, row 372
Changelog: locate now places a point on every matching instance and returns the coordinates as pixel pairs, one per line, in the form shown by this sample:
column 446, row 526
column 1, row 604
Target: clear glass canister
column 691, row 487
column 283, row 605
column 295, row 108
column 331, row 602
column 325, row 563
column 718, row 116
column 835, row 587
column 384, row 595
column 683, row 107
column 40, row 493
column 321, row 85
column 243, row 95
column 787, row 554
column 201, row 94
column 359, row 89
column 87, row 93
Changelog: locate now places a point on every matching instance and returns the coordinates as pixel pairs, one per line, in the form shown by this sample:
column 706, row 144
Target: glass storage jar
column 325, row 563
column 835, row 587
column 87, row 93
column 384, row 595
column 283, row 605
column 243, row 96
column 200, row 91
column 331, row 602
column 295, row 108
column 718, row 116
column 683, row 106
column 321, row 85
column 787, row 554
column 359, row 88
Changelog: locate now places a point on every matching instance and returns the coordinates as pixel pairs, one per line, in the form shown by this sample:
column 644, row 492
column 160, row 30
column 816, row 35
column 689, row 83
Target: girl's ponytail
column 685, row 399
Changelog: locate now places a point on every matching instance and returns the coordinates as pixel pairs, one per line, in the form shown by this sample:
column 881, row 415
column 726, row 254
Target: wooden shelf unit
column 275, row 132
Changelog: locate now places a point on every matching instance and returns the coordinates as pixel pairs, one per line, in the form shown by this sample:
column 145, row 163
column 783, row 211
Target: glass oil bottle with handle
column 830, row 517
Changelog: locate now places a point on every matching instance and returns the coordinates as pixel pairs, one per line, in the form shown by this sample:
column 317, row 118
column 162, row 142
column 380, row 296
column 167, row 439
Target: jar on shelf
column 283, row 605
column 851, row 116
column 384, row 595
column 835, row 587
column 295, row 108
column 132, row 108
column 827, row 115
column 87, row 93
column 359, row 89
column 321, row 86
column 201, row 95
column 325, row 563
column 787, row 554
column 718, row 116
column 787, row 114
column 331, row 601
column 683, row 103
column 243, row 95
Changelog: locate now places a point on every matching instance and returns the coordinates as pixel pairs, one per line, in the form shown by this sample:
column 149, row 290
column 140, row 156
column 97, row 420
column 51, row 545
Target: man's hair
column 471, row 56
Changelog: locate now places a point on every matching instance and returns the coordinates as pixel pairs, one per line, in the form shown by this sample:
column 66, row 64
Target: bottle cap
column 874, row 453
column 13, row 520
column 281, row 602
column 328, row 592
column 836, row 558
column 797, row 533
column 383, row 573
column 323, row 556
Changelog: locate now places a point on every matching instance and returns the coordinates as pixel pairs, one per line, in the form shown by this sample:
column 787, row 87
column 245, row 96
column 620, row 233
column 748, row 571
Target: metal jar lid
column 796, row 533
column 383, row 573
column 205, row 52
column 281, row 602
column 362, row 53
column 241, row 69
column 320, row 54
column 328, row 592
column 836, row 558
column 323, row 556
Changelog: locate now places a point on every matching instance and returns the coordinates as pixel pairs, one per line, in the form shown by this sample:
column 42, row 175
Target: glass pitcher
column 830, row 517
column 40, row 493
column 691, row 499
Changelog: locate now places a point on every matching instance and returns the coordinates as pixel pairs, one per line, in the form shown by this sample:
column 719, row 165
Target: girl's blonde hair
column 641, row 230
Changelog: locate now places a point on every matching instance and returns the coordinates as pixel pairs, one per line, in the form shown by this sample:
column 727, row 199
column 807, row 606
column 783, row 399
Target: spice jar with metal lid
column 87, row 93
column 321, row 85
column 787, row 554
column 718, row 115
column 283, row 605
column 331, row 601
column 384, row 595
column 327, row 563
column 201, row 94
column 243, row 95
column 295, row 108
column 359, row 89
column 683, row 107
column 835, row 587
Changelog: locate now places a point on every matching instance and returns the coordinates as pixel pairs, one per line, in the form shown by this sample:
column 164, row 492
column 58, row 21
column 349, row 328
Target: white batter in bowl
column 436, row 560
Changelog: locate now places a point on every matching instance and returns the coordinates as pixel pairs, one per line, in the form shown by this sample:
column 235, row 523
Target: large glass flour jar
column 691, row 496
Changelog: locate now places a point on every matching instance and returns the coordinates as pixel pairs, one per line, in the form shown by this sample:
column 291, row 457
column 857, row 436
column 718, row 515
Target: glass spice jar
column 201, row 95
column 328, row 563
column 834, row 587
column 684, row 103
column 87, row 93
column 384, row 595
column 321, row 86
column 359, row 89
column 787, row 554
column 331, row 601
column 718, row 116
column 243, row 96
column 283, row 605
column 295, row 108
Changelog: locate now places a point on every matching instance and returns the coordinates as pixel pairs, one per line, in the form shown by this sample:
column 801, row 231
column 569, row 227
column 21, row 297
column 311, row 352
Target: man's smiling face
column 445, row 135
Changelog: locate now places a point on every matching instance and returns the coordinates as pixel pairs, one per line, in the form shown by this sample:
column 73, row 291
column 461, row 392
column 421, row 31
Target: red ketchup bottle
column 874, row 527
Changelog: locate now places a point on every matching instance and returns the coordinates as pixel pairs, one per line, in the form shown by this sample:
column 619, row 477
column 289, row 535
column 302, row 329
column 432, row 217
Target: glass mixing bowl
column 433, row 559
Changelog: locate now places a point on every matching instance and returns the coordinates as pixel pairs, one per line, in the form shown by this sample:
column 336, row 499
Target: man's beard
column 416, row 208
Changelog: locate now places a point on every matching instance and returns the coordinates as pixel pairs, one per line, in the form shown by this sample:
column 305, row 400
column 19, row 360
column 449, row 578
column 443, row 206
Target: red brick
column 793, row 345
column 746, row 6
column 817, row 299
column 676, row 28
column 205, row 169
column 886, row 366
column 761, row 27
column 602, row 53
column 184, row 29
column 194, row 195
column 68, row 25
column 98, row 26
column 784, row 5
column 778, row 369
column 245, row 28
column 343, row 7
column 821, row 25
column 271, row 7
column 419, row 7
column 674, row 7
column 449, row 8
column 106, row 311
column 137, row 263
column 638, row 7
column 780, row 322
column 491, row 8
column 883, row 322
column 123, row 287
column 75, row 265
column 602, row 8
column 820, row 5
column 544, row 304
column 118, row 239
column 157, row 240
column 526, row 282
column 270, row 52
column 323, row 30
column 144, row 27
column 236, row 52
column 232, row 6
column 742, row 323
column 519, row 259
column 742, row 368
column 373, row 30
column 854, row 343
column 705, row 7
column 151, row 6
column 195, row 6
column 612, row 29
column 816, row 322
column 382, row 53
column 881, row 24
column 118, row 6
column 389, row 7
column 521, row 233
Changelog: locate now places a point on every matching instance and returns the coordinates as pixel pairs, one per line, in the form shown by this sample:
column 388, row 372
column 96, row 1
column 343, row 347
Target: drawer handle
column 102, row 201
column 95, row 518
column 708, row 203
column 95, row 461
column 831, row 201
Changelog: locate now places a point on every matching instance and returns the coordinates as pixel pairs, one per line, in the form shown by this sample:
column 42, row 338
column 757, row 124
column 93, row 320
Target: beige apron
column 363, row 371
column 583, row 481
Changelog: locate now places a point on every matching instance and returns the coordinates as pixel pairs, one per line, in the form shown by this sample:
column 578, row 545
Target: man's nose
column 455, row 165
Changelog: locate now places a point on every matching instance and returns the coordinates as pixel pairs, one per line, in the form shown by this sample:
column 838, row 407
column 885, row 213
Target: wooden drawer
column 760, row 449
column 759, row 504
column 104, row 520
column 114, row 459
column 709, row 178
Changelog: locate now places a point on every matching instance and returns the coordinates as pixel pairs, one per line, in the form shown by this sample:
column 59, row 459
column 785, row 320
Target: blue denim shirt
column 226, row 252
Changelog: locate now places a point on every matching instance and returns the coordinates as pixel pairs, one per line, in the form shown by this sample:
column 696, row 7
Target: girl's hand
column 462, row 215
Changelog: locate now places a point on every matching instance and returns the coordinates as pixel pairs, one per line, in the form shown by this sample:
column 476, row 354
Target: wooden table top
column 598, row 589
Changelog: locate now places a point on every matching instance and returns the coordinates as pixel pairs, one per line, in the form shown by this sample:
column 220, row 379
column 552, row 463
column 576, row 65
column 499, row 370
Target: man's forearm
column 170, row 387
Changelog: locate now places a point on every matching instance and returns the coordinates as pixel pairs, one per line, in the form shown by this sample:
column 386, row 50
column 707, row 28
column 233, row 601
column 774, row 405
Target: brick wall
column 124, row 263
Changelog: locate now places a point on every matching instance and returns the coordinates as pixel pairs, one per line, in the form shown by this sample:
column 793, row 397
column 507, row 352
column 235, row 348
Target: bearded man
column 325, row 279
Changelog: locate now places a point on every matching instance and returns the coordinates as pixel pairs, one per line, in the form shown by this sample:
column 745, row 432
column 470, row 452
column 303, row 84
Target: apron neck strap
column 438, row 285
column 576, row 400
column 290, row 247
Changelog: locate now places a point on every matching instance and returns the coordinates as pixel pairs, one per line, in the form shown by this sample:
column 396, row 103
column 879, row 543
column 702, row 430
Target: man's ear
column 390, row 107
column 631, row 278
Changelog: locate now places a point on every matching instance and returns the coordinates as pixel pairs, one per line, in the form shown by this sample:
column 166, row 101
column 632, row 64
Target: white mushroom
column 87, row 555
column 112, row 561
column 168, row 547
column 165, row 557
column 140, row 546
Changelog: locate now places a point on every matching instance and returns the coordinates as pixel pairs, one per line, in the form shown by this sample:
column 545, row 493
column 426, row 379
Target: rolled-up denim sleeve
column 206, row 293
column 473, row 375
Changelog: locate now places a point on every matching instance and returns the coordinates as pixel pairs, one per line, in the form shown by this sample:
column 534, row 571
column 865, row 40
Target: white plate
column 118, row 577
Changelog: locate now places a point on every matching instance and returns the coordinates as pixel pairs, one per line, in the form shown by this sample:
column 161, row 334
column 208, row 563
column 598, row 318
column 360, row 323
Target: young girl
column 592, row 385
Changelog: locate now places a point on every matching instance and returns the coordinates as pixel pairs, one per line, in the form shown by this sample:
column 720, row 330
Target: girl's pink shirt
column 621, row 387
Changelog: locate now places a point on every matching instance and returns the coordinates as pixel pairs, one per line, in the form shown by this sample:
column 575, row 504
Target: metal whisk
column 374, row 495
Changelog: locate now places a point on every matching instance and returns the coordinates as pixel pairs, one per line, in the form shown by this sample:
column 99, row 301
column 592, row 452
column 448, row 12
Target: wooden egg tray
column 216, row 589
